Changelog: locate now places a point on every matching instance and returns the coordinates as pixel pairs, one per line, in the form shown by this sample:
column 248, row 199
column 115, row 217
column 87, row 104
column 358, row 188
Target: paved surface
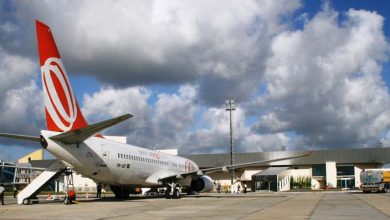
column 306, row 205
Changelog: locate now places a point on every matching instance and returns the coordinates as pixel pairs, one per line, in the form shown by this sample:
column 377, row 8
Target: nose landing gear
column 172, row 191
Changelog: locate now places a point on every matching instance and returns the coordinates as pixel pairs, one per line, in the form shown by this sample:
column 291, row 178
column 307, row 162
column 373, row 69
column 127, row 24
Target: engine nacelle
column 202, row 184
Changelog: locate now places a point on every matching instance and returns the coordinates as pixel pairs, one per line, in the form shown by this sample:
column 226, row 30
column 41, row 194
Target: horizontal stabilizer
column 20, row 137
column 79, row 135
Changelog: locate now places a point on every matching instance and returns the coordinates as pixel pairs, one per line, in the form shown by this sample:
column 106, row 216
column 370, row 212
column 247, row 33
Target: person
column 238, row 188
column 245, row 186
column 99, row 190
column 2, row 193
column 15, row 191
column 219, row 188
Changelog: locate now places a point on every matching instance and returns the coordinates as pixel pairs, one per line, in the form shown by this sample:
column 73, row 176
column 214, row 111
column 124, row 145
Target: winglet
column 79, row 135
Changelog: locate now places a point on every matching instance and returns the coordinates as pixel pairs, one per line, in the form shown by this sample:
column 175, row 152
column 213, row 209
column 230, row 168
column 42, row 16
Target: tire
column 35, row 200
column 116, row 192
column 176, row 194
column 367, row 191
column 66, row 200
column 167, row 193
column 125, row 193
column 26, row 201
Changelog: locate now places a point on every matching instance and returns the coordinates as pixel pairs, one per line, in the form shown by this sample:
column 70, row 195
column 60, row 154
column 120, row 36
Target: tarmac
column 263, row 205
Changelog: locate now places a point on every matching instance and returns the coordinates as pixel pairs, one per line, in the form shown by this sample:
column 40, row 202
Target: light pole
column 231, row 106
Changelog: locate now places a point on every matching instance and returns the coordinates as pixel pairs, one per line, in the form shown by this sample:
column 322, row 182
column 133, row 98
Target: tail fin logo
column 59, row 98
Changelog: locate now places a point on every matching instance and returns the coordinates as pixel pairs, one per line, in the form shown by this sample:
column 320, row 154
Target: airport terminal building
column 323, row 169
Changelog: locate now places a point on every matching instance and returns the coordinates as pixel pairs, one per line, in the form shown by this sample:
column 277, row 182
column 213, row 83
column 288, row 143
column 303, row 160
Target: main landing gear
column 172, row 191
column 120, row 192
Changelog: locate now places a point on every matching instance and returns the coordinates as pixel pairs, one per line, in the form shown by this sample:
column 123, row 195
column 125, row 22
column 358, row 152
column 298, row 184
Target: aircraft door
column 105, row 155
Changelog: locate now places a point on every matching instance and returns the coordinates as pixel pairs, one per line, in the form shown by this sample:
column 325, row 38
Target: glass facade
column 268, row 182
column 318, row 170
column 346, row 170
column 7, row 174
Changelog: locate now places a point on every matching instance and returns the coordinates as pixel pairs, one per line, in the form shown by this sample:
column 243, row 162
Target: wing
column 227, row 168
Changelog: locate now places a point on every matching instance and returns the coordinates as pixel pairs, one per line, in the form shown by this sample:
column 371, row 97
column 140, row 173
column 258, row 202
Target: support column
column 331, row 174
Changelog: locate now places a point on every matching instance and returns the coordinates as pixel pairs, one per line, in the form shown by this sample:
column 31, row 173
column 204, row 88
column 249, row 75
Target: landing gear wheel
column 121, row 192
column 190, row 191
column 26, row 201
column 66, row 200
column 168, row 193
column 176, row 194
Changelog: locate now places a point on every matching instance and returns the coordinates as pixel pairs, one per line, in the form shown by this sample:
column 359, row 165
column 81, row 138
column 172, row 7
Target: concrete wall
column 301, row 172
column 357, row 176
column 331, row 174
column 247, row 174
column 36, row 155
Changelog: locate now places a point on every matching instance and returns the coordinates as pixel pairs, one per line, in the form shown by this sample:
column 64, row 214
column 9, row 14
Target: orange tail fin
column 61, row 107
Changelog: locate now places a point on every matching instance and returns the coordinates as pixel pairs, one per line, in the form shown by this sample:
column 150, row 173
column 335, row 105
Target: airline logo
column 60, row 102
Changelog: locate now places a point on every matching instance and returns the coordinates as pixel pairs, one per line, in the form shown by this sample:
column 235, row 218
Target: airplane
column 80, row 146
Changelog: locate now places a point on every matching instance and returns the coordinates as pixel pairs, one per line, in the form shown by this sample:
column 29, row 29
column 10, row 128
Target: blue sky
column 304, row 74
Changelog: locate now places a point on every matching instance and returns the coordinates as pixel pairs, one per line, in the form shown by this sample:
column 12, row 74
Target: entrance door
column 346, row 183
column 105, row 155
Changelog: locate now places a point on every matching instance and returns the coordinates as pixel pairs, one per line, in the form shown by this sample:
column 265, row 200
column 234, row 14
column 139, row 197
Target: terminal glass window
column 345, row 170
column 318, row 170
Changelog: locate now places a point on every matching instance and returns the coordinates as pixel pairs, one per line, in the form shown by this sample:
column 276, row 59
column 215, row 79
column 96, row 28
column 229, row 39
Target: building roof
column 378, row 156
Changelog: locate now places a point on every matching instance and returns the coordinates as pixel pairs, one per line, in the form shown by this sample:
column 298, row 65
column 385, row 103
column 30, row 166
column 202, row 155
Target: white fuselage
column 115, row 163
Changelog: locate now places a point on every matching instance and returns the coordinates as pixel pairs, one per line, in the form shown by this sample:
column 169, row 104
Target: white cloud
column 265, row 142
column 110, row 102
column 21, row 102
column 143, row 42
column 215, row 137
column 164, row 123
column 270, row 122
column 173, row 115
column 326, row 82
column 15, row 71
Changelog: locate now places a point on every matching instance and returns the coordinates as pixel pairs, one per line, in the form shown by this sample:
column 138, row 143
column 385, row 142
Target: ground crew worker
column 15, row 191
column 99, row 190
column 2, row 189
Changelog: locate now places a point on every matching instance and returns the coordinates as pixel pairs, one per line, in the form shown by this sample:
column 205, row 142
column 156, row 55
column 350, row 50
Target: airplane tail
column 63, row 113
column 62, row 110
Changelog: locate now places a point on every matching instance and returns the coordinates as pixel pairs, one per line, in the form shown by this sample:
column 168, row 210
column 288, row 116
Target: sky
column 304, row 74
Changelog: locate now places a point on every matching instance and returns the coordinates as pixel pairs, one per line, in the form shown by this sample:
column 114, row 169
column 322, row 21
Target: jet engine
column 202, row 184
column 43, row 142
